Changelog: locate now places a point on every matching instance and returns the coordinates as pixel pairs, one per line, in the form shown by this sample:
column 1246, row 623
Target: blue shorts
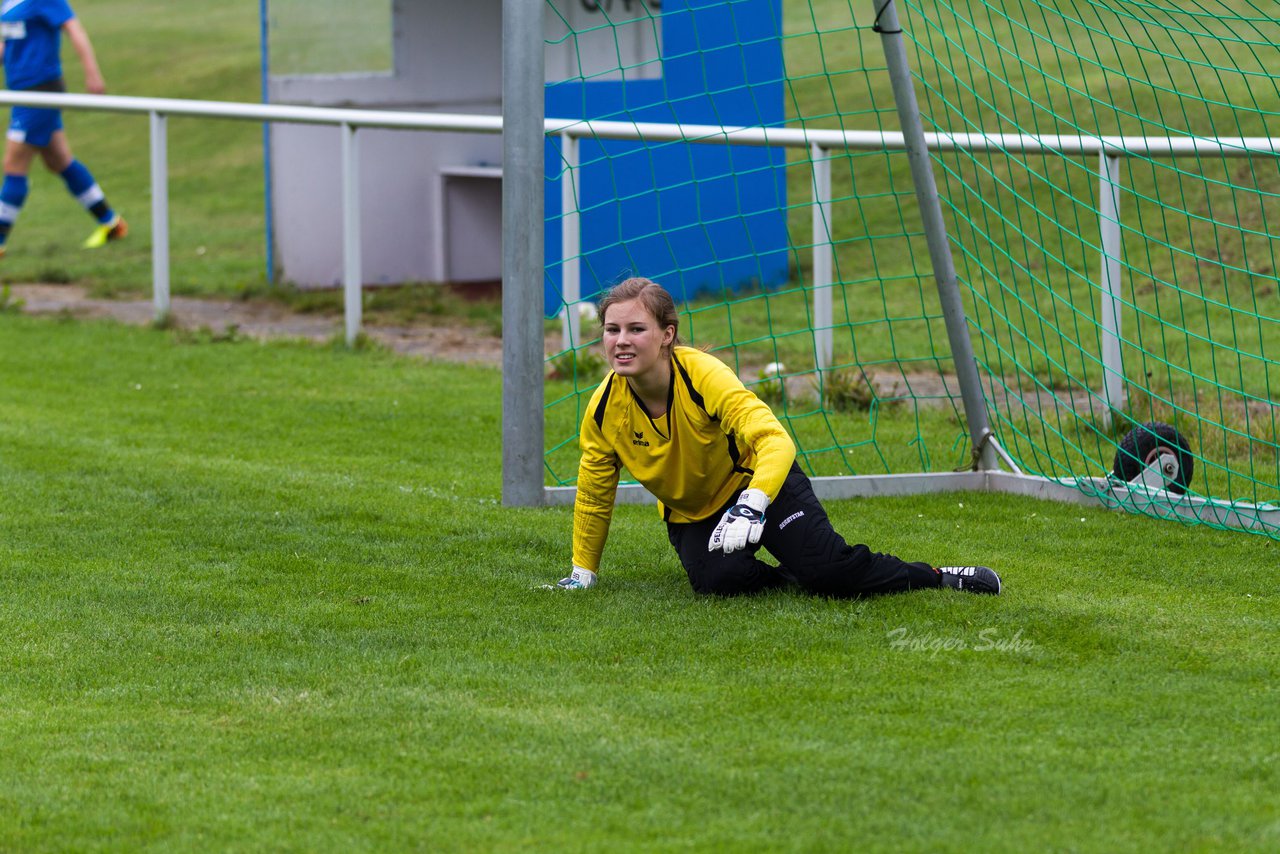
column 34, row 125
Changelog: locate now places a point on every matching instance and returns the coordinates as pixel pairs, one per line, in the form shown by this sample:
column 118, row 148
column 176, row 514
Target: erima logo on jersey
column 639, row 439
column 12, row 30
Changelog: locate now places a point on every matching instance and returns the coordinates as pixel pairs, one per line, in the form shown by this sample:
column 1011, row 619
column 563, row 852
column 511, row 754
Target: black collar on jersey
column 671, row 399
column 694, row 394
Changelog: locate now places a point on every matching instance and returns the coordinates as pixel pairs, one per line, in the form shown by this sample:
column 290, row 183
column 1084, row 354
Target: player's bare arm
column 79, row 38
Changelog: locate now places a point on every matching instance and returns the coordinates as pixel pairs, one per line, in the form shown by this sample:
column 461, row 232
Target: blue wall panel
column 695, row 217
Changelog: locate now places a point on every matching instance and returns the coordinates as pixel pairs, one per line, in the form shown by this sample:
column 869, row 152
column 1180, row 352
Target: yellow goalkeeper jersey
column 715, row 439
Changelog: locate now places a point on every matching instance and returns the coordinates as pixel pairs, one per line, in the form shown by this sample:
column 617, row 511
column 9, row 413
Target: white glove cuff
column 755, row 499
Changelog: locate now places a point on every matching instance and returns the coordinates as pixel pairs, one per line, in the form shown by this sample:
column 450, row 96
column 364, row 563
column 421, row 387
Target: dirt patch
column 933, row 390
column 264, row 319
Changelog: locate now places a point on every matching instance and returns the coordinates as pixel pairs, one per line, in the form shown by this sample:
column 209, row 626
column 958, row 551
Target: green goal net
column 1108, row 179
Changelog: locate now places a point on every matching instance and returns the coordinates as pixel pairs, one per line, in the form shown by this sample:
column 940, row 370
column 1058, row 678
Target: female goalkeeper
column 723, row 470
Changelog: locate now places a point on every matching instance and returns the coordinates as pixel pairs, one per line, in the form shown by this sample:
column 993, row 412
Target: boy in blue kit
column 32, row 31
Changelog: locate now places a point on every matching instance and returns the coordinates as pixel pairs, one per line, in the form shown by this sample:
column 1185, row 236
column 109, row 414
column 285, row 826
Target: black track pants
column 798, row 533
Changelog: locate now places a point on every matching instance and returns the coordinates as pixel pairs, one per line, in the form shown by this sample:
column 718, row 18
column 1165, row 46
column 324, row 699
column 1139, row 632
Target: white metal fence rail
column 821, row 143
column 347, row 120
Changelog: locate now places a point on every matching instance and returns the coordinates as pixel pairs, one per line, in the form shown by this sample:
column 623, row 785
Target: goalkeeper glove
column 741, row 524
column 579, row 579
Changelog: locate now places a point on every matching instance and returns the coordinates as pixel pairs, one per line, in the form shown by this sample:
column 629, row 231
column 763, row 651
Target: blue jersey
column 32, row 32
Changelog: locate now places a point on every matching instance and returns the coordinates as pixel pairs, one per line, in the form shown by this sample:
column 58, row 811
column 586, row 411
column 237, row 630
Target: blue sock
column 13, row 192
column 80, row 183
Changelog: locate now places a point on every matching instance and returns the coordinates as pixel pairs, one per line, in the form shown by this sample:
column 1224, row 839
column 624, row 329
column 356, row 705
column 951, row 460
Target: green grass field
column 263, row 597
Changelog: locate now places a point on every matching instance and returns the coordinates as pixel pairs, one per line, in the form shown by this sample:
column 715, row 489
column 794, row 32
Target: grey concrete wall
column 447, row 58
column 400, row 186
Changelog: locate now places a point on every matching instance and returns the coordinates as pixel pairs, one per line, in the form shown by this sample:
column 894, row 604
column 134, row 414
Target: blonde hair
column 652, row 296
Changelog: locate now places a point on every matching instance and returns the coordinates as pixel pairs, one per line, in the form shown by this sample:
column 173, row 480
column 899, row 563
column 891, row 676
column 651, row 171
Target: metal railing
column 820, row 142
column 347, row 120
